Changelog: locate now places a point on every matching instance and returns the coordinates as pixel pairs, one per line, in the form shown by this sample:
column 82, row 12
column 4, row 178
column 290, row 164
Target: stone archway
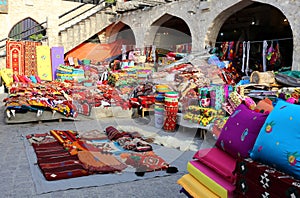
column 167, row 32
column 25, row 28
column 119, row 31
column 255, row 22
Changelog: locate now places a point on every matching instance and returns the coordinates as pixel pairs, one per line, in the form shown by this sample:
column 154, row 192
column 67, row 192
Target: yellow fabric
column 43, row 59
column 209, row 183
column 195, row 188
column 7, row 76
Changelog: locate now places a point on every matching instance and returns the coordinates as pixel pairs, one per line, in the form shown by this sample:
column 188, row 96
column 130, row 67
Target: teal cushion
column 278, row 142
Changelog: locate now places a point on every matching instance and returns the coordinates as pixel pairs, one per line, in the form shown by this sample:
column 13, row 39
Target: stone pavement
column 16, row 180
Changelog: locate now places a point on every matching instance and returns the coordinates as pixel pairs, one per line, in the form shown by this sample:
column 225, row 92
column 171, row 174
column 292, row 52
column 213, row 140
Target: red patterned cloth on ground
column 56, row 163
column 145, row 161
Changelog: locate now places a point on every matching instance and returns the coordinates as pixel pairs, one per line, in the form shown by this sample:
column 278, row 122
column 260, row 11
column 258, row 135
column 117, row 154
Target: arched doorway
column 171, row 33
column 25, row 29
column 265, row 32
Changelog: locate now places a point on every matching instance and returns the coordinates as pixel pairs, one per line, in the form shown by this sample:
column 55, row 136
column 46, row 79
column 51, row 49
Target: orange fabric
column 96, row 52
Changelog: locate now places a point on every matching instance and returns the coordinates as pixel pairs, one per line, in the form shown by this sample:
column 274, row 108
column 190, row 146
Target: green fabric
column 295, row 74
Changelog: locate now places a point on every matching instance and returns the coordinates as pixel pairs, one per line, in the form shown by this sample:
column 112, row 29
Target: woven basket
column 262, row 77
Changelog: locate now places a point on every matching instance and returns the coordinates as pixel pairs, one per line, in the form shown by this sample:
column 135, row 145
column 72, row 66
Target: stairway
column 77, row 28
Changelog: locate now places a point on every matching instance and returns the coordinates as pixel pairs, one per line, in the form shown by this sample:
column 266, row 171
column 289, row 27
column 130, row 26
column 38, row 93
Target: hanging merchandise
column 30, row 64
column 224, row 50
column 15, row 56
column 265, row 46
column 248, row 54
column 244, row 56
column 123, row 52
column 270, row 52
column 44, row 67
column 153, row 53
column 231, row 51
column 275, row 58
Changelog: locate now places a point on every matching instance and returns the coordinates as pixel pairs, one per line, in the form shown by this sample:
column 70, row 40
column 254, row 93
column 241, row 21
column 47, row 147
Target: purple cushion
column 240, row 131
column 224, row 165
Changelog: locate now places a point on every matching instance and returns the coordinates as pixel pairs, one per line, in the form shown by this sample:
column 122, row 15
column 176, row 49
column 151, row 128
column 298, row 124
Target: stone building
column 163, row 23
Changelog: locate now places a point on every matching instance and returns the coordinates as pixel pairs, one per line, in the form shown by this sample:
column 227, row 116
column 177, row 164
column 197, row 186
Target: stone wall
column 205, row 18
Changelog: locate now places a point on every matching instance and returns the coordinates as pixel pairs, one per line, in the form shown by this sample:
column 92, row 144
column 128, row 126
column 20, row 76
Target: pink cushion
column 211, row 179
column 219, row 161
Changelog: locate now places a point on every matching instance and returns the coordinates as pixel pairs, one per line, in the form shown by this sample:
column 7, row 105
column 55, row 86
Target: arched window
column 25, row 28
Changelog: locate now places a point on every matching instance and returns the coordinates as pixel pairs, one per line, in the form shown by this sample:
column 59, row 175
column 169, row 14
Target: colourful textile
column 255, row 179
column 100, row 162
column 145, row 161
column 108, row 146
column 195, row 188
column 82, row 108
column 134, row 144
column 210, row 179
column 15, row 56
column 113, row 133
column 30, row 64
column 93, row 135
column 277, row 144
column 240, row 131
column 57, row 58
column 44, row 69
column 219, row 161
column 7, row 75
column 56, row 163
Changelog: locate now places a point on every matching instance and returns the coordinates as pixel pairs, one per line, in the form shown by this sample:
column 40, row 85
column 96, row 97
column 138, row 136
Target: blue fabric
column 278, row 143
column 33, row 79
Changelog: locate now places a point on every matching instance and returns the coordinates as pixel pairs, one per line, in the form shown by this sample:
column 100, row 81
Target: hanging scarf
column 230, row 50
column 265, row 46
column 248, row 53
column 276, row 55
column 244, row 56
column 270, row 51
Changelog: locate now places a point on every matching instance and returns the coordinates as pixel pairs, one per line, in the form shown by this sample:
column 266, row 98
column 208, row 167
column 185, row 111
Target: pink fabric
column 219, row 161
column 214, row 176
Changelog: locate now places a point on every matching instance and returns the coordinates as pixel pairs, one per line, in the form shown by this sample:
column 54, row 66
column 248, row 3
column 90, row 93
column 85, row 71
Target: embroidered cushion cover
column 240, row 131
column 255, row 179
column 278, row 141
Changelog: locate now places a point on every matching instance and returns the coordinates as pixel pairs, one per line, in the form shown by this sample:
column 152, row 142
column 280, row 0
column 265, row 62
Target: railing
column 81, row 14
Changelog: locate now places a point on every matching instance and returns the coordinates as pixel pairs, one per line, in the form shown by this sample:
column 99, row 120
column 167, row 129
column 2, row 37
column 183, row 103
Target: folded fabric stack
column 208, row 177
column 213, row 169
column 64, row 72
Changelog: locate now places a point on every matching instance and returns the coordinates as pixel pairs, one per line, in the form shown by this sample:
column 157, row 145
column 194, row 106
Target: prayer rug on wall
column 15, row 56
column 44, row 68
column 57, row 58
column 30, row 64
